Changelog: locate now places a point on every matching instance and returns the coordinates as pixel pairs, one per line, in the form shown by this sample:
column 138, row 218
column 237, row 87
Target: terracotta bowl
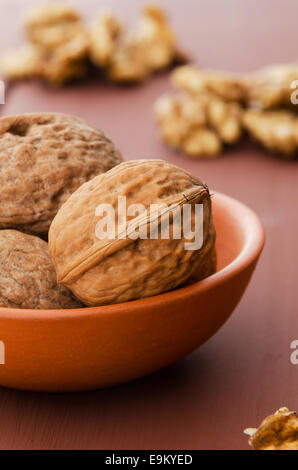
column 72, row 350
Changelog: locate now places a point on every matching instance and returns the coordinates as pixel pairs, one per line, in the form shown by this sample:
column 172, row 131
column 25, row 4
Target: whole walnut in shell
column 44, row 158
column 27, row 274
column 124, row 267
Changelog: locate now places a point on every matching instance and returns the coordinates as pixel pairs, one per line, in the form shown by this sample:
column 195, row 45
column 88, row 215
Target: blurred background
column 244, row 373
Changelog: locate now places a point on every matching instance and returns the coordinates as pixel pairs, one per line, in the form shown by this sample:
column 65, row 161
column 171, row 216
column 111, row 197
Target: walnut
column 27, row 274
column 225, row 118
column 44, row 157
column 61, row 48
column 133, row 57
column 202, row 142
column 192, row 80
column 205, row 269
column 64, row 64
column 58, row 73
column 57, row 31
column 198, row 125
column 271, row 87
column 177, row 115
column 276, row 432
column 58, row 49
column 226, row 98
column 52, row 25
column 129, row 63
column 56, row 68
column 105, row 34
column 22, row 63
column 277, row 131
column 204, row 115
column 125, row 267
column 119, row 54
column 156, row 38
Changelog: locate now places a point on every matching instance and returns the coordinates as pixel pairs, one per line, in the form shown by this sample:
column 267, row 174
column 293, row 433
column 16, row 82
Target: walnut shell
column 27, row 274
column 44, row 158
column 109, row 271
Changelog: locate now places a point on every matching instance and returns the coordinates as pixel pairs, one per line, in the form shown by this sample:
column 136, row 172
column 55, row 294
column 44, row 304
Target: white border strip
column 2, row 92
column 2, row 353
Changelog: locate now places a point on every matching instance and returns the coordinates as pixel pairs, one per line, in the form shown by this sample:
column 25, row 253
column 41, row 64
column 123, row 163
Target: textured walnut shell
column 27, row 274
column 111, row 271
column 205, row 269
column 44, row 158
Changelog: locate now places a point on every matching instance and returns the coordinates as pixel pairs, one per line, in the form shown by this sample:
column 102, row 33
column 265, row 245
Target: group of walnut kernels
column 61, row 46
column 213, row 108
column 56, row 171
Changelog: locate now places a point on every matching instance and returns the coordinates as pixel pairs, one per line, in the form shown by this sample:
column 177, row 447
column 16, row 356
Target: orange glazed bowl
column 91, row 348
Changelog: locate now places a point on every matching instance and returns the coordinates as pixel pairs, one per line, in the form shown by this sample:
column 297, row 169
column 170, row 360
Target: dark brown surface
column 244, row 373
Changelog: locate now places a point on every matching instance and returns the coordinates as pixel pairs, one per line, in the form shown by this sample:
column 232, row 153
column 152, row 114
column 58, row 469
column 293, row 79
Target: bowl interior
column 230, row 234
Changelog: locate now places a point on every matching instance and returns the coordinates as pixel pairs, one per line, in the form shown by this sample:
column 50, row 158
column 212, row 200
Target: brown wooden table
column 244, row 372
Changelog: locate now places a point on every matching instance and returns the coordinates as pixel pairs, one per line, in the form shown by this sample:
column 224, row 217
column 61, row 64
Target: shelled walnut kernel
column 276, row 432
column 277, row 131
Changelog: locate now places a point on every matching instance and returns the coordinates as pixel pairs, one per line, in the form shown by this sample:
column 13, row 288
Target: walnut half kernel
column 205, row 113
column 276, row 432
column 57, row 49
column 277, row 131
column 132, row 57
